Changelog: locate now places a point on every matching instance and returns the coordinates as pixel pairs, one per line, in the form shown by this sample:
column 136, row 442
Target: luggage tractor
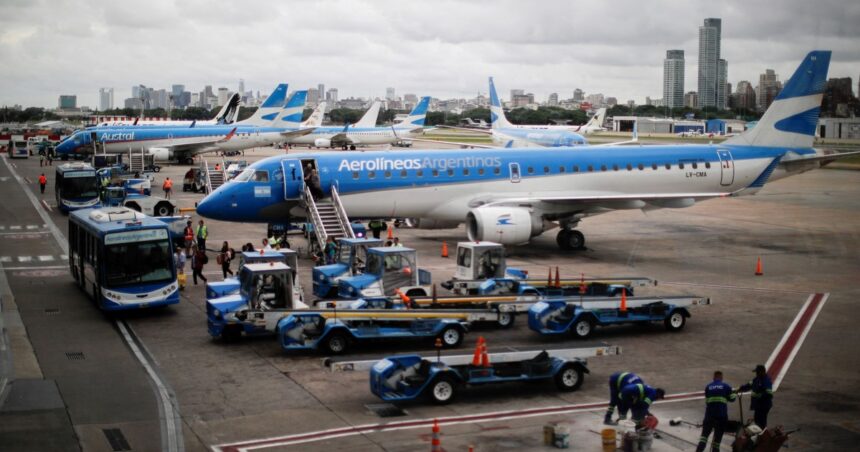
column 229, row 286
column 388, row 270
column 482, row 270
column 350, row 261
column 266, row 290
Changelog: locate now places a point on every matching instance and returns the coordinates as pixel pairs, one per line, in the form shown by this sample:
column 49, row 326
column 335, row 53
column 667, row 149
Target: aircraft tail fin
column 316, row 118
column 227, row 114
column 497, row 112
column 792, row 118
column 291, row 116
column 270, row 109
column 598, row 119
column 370, row 117
column 416, row 116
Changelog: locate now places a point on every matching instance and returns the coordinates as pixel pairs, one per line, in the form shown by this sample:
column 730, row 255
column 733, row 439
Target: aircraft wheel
column 570, row 239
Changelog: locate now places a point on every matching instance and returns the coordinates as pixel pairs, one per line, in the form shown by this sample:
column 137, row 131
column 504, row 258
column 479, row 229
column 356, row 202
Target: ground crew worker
column 617, row 381
column 167, row 187
column 202, row 235
column 639, row 397
column 376, row 227
column 717, row 395
column 761, row 400
column 188, row 234
column 41, row 157
column 43, row 181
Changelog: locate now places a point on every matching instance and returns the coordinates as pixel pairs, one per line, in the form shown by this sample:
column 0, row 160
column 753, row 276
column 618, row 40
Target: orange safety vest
column 43, row 180
column 189, row 233
column 168, row 184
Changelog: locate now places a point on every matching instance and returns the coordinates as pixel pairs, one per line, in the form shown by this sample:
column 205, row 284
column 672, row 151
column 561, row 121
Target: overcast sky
column 438, row 48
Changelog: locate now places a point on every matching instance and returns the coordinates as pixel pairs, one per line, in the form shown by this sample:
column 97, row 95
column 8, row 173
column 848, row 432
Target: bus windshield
column 138, row 262
column 79, row 187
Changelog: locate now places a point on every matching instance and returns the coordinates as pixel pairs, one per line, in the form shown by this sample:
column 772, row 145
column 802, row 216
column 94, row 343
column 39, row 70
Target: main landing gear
column 570, row 239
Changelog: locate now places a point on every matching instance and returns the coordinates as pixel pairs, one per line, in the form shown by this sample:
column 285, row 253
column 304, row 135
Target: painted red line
column 794, row 336
column 427, row 423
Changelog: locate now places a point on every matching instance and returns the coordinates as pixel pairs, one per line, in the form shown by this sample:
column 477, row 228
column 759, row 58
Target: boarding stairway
column 136, row 162
column 328, row 217
column 214, row 177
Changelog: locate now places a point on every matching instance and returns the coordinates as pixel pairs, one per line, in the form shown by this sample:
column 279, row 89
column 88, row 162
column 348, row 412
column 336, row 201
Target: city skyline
column 615, row 49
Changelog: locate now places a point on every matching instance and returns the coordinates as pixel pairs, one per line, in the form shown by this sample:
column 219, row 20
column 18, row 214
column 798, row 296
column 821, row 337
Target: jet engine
column 505, row 225
column 431, row 223
column 322, row 143
column 161, row 154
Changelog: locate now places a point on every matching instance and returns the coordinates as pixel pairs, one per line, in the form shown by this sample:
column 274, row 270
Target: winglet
column 192, row 124
column 229, row 135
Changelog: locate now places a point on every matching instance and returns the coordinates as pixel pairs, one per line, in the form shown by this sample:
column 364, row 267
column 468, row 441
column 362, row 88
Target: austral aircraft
column 273, row 122
column 227, row 115
column 510, row 195
column 349, row 136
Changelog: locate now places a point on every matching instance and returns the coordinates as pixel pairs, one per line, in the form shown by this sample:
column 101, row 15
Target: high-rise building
column 673, row 79
column 178, row 101
column 207, row 92
column 722, row 84
column 389, row 94
column 745, row 95
column 241, row 87
column 321, row 89
column 105, row 99
column 411, row 98
column 67, row 102
column 331, row 95
column 313, row 96
column 691, row 99
column 838, row 97
column 578, row 95
column 517, row 92
column 768, row 88
column 553, row 99
column 709, row 64
column 223, row 96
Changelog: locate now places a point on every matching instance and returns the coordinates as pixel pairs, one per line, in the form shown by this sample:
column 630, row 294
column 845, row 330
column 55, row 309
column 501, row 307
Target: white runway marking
column 45, row 258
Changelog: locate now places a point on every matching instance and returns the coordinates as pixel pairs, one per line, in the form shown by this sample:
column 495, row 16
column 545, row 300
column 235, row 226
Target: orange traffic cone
column 435, row 441
column 444, row 249
column 758, row 271
column 549, row 278
column 582, row 288
column 476, row 358
column 623, row 300
column 557, row 280
column 390, row 233
column 485, row 359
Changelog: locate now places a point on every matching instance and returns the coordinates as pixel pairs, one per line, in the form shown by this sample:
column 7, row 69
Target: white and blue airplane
column 227, row 115
column 511, row 195
column 273, row 122
column 350, row 136
column 505, row 134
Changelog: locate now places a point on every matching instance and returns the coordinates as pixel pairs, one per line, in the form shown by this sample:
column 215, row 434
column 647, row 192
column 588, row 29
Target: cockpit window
column 244, row 176
column 261, row 176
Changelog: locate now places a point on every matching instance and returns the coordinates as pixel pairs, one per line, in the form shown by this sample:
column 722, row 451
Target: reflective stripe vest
column 43, row 180
column 202, row 232
column 638, row 393
column 762, row 392
column 717, row 395
column 168, row 184
column 189, row 233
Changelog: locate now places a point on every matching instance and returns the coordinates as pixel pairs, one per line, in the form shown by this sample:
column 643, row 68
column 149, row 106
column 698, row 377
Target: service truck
column 231, row 285
column 389, row 270
column 120, row 196
column 349, row 261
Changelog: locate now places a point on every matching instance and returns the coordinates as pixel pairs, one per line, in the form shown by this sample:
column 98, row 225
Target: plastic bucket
column 608, row 437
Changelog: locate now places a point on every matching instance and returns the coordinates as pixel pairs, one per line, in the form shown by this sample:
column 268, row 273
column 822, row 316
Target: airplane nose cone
column 208, row 207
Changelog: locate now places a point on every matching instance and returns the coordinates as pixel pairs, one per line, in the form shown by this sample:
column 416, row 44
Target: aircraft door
column 727, row 167
column 294, row 183
column 515, row 172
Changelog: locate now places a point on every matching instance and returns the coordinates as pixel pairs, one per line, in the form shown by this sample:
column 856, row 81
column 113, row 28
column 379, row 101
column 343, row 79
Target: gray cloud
column 443, row 48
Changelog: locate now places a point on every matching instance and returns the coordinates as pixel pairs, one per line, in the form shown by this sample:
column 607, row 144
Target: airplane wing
column 341, row 138
column 298, row 133
column 466, row 129
column 598, row 202
column 463, row 145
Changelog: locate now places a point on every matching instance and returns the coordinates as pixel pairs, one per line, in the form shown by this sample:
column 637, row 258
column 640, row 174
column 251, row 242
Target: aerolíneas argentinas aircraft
column 273, row 122
column 511, row 195
column 351, row 136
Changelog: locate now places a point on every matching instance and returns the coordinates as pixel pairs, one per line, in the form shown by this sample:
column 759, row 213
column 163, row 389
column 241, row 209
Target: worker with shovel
column 717, row 396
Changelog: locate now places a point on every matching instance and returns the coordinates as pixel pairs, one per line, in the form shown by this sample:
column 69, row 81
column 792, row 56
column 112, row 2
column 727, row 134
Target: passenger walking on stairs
column 43, row 181
column 717, row 396
column 312, row 180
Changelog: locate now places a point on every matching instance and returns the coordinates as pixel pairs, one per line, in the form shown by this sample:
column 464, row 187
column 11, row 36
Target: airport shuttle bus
column 76, row 187
column 18, row 149
column 122, row 258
